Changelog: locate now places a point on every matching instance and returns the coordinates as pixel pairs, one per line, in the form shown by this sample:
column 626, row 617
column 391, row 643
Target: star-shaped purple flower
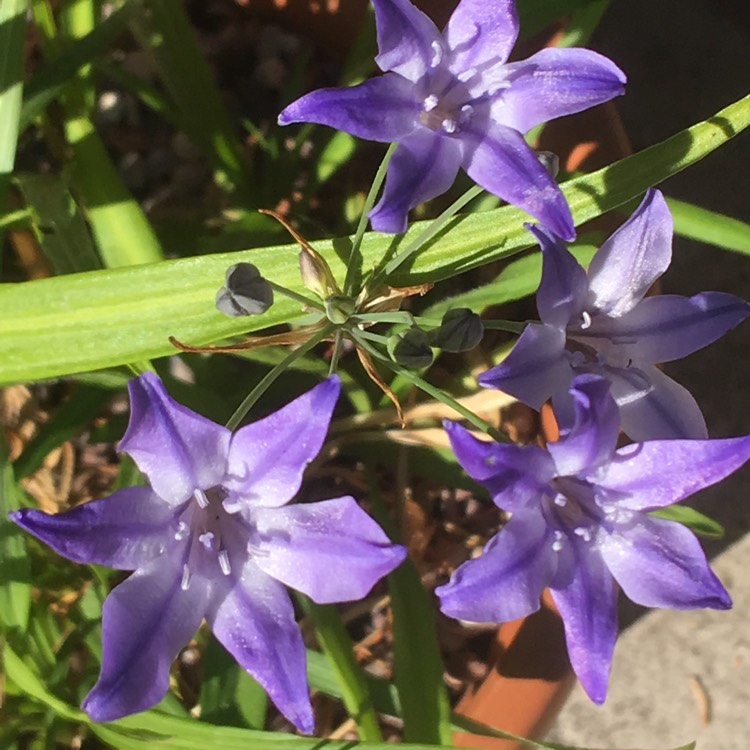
column 580, row 523
column 452, row 100
column 601, row 322
column 213, row 537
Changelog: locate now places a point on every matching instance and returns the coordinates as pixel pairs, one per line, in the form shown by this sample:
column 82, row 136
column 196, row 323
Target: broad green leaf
column 58, row 224
column 12, row 36
column 337, row 645
column 693, row 519
column 709, row 226
column 15, row 573
column 518, row 279
column 83, row 322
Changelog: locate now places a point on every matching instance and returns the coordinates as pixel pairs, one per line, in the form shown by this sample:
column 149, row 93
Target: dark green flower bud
column 339, row 308
column 460, row 330
column 411, row 349
column 245, row 292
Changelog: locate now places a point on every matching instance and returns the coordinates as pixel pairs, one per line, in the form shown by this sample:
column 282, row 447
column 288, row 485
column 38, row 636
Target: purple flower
column 214, row 537
column 452, row 100
column 580, row 523
column 600, row 322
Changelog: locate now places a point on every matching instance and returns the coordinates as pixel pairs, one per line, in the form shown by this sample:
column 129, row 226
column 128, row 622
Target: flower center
column 204, row 524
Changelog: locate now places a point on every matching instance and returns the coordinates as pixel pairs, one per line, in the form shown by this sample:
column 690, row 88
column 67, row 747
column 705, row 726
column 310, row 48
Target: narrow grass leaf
column 12, row 36
column 709, row 226
column 15, row 572
column 58, row 224
column 338, row 648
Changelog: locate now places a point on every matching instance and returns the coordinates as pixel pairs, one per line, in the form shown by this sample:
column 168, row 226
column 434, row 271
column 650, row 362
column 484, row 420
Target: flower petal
column 382, row 109
column 653, row 406
column 408, row 41
column 178, row 450
column 660, row 563
column 124, row 531
column 669, row 326
column 591, row 440
column 267, row 458
column 506, row 582
column 536, row 367
column 300, row 545
column 146, row 621
column 424, row 165
column 555, row 82
column 629, row 262
column 481, row 32
column 253, row 618
column 503, row 163
column 587, row 604
column 564, row 286
column 516, row 476
column 662, row 472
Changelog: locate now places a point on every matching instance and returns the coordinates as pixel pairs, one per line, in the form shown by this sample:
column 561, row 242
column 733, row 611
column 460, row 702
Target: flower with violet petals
column 599, row 321
column 452, row 100
column 580, row 522
column 214, row 537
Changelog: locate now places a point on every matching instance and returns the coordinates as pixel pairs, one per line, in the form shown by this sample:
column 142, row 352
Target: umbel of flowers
column 215, row 535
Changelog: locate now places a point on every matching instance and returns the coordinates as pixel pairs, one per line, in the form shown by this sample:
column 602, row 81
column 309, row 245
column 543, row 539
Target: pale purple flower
column 452, row 100
column 213, row 537
column 602, row 322
column 580, row 523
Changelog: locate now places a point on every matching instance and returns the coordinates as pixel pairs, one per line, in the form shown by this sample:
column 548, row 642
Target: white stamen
column 561, row 501
column 499, row 86
column 466, row 113
column 609, row 509
column 557, row 545
column 182, row 531
column 586, row 320
column 231, row 506
column 201, row 498
column 226, row 568
column 583, row 532
column 206, row 539
column 449, row 126
column 466, row 75
column 185, row 582
column 437, row 54
column 431, row 102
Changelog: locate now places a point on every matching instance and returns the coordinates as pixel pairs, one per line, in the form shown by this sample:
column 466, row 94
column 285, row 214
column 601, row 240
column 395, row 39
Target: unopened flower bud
column 316, row 274
column 245, row 292
column 461, row 329
column 411, row 349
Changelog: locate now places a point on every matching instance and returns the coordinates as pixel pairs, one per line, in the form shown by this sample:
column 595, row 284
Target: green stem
column 337, row 646
column 360, row 233
column 270, row 377
column 297, row 297
column 336, row 352
column 361, row 338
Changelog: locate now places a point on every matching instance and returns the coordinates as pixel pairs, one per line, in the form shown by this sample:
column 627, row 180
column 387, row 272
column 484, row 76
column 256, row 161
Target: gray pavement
column 679, row 676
